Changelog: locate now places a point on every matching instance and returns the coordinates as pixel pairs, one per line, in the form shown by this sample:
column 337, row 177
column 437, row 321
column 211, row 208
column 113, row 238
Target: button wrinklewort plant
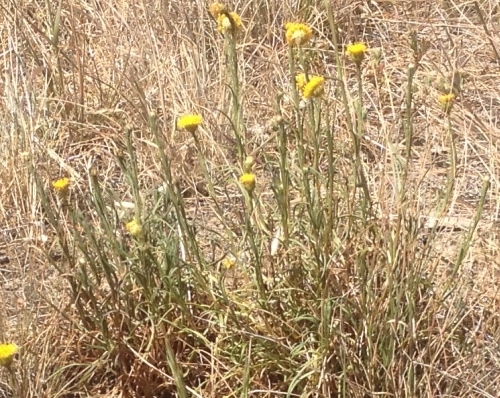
column 282, row 273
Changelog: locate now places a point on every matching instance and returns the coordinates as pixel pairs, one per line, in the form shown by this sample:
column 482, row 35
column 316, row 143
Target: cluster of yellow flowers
column 297, row 35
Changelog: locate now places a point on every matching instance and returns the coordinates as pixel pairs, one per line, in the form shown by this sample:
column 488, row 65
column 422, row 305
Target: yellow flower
column 134, row 228
column 228, row 263
column 357, row 52
column 297, row 34
column 446, row 99
column 7, row 352
column 229, row 22
column 314, row 88
column 216, row 9
column 300, row 81
column 189, row 122
column 248, row 182
column 446, row 102
column 61, row 185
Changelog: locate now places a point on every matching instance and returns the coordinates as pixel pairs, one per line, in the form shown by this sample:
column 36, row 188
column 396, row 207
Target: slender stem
column 299, row 131
column 358, row 171
column 284, row 189
column 237, row 109
column 357, row 142
column 409, row 113
column 253, row 244
column 13, row 383
column 453, row 166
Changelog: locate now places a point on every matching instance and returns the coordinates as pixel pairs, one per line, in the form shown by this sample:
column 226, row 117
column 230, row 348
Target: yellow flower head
column 189, row 122
column 446, row 102
column 248, row 182
column 61, row 185
column 300, row 81
column 229, row 22
column 297, row 34
column 228, row 263
column 134, row 228
column 216, row 9
column 314, row 88
column 7, row 352
column 357, row 52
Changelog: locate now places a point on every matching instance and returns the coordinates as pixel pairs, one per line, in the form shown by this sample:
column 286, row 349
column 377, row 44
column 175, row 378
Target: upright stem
column 253, row 244
column 284, row 190
column 296, row 101
column 453, row 166
column 357, row 142
column 355, row 133
column 237, row 110
column 13, row 383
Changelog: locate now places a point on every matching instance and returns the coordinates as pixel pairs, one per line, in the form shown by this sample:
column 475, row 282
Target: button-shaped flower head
column 216, row 9
column 7, row 352
column 229, row 22
column 314, row 88
column 134, row 228
column 297, row 34
column 247, row 180
column 446, row 102
column 189, row 122
column 61, row 185
column 357, row 52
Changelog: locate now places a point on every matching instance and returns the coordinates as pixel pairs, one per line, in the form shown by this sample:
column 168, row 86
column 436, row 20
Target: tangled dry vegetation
column 363, row 263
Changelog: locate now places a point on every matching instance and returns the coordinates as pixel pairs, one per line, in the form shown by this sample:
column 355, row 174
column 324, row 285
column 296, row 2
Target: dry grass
column 381, row 306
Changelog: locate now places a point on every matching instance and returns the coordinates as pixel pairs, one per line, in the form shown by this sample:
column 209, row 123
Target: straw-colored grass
column 356, row 257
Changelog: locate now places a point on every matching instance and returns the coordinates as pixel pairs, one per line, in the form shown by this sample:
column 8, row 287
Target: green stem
column 357, row 146
column 13, row 383
column 453, row 167
column 284, row 190
column 237, row 109
column 253, row 244
column 357, row 169
column 299, row 131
